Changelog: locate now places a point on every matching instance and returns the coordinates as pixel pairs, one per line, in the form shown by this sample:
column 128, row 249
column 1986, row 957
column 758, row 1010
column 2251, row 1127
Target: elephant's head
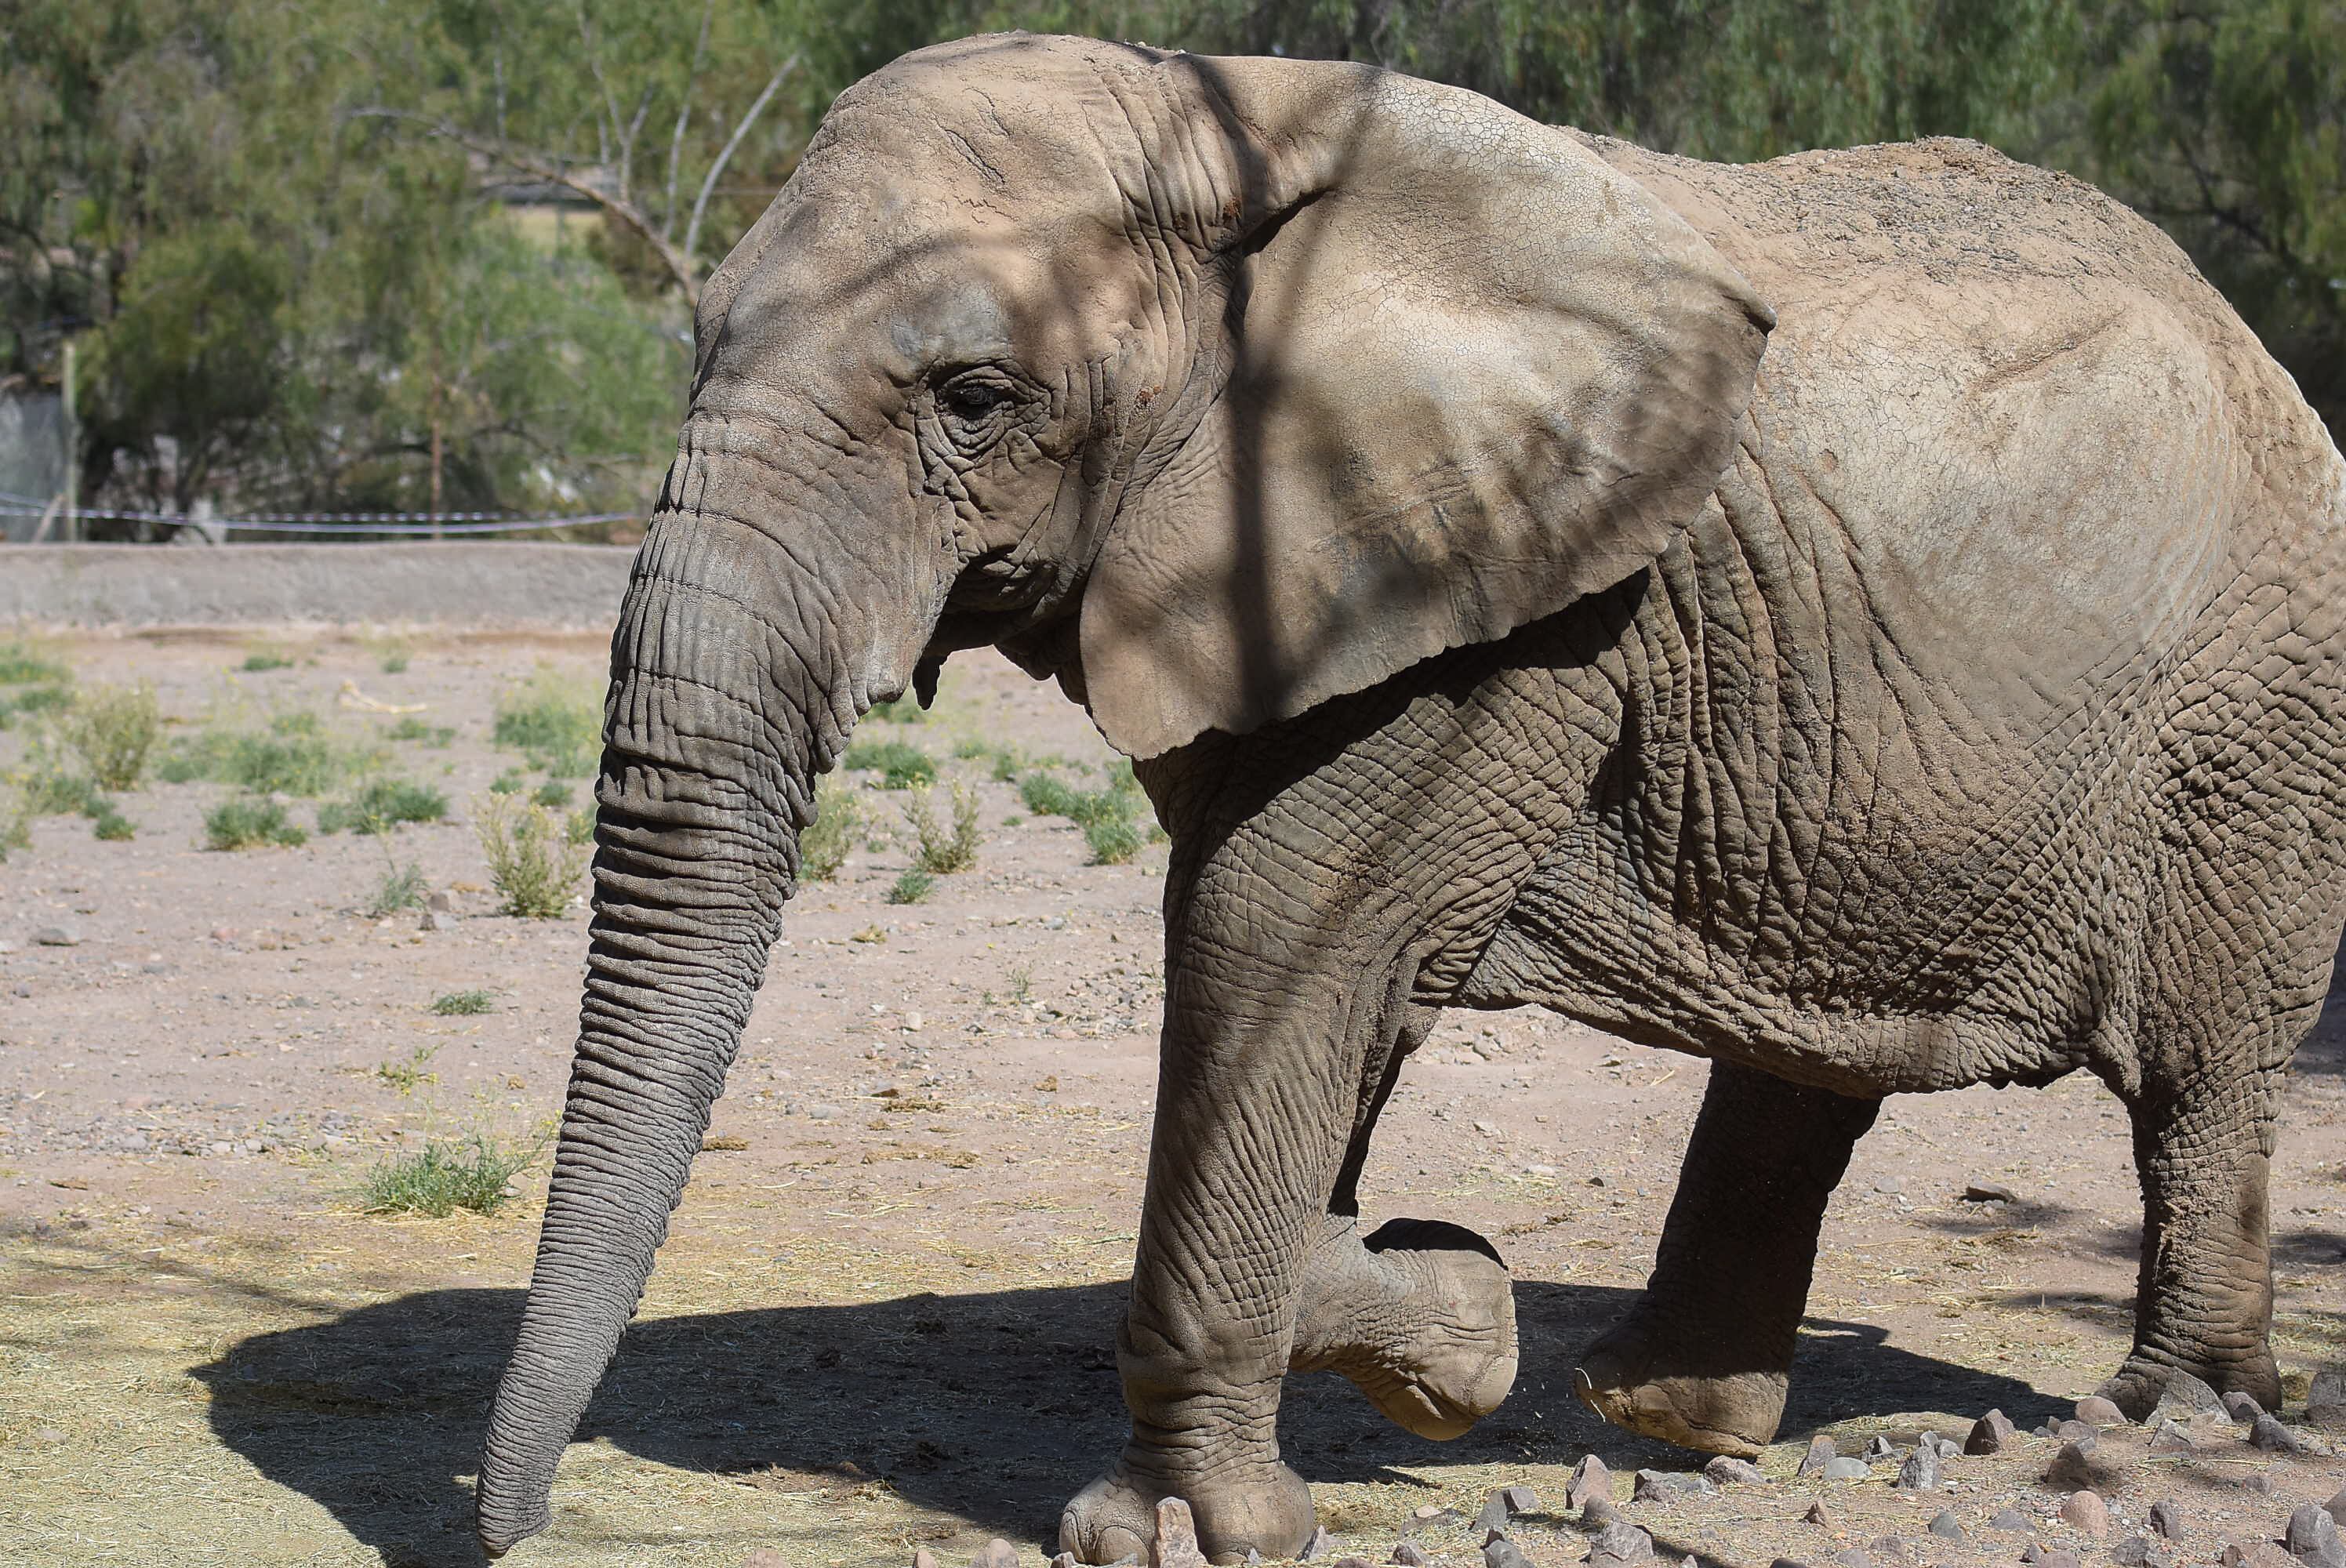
column 1213, row 386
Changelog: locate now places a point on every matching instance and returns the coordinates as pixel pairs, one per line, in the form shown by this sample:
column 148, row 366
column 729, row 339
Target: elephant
column 1870, row 619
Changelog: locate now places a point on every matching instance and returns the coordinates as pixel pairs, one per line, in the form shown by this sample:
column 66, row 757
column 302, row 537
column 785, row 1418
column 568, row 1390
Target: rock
column 822, row 1113
column 2325, row 1403
column 1945, row 1525
column 2254, row 1554
column 1729, row 1471
column 1176, row 1538
column 2097, row 1411
column 1361, row 1562
column 1889, row 1186
column 1319, row 1546
column 2312, row 1537
column 1505, row 1553
column 2050, row 1557
column 2184, row 1397
column 2169, row 1438
column 764, row 1557
column 2010, row 1518
column 2336, row 1506
column 1944, row 1447
column 1068, row 1560
column 433, row 919
column 1520, row 1498
column 1410, row 1554
column 2074, row 1466
column 1846, row 1470
column 1589, row 1479
column 1852, row 1558
column 2133, row 1552
column 1888, row 1546
column 925, row 1558
column 1920, row 1471
column 1667, row 1485
column 1820, row 1453
column 2166, row 1519
column 1819, row 1515
column 1493, row 1517
column 2085, row 1511
column 56, row 936
column 999, row 1554
column 2274, row 1437
column 1877, row 1449
column 1989, row 1192
column 2259, row 1482
column 1619, row 1543
column 1597, row 1514
column 1991, row 1433
column 2242, row 1408
column 1786, row 1563
column 2083, row 1433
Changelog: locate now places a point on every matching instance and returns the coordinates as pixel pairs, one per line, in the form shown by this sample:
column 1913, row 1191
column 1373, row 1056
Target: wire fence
column 369, row 524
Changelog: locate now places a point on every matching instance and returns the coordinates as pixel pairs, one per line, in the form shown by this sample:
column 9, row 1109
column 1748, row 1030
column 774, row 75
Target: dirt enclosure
column 884, row 1318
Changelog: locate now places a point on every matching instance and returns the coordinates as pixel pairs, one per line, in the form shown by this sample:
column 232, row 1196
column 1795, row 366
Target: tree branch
column 708, row 184
column 684, row 117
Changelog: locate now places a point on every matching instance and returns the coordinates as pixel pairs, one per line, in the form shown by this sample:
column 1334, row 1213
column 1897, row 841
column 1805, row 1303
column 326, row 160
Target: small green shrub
column 445, row 1174
column 22, row 664
column 413, row 729
column 293, row 756
column 910, row 887
column 579, row 829
column 1113, row 841
column 15, row 816
column 904, row 710
column 409, row 1075
column 264, row 661
column 900, row 766
column 552, row 793
column 49, row 792
column 33, row 700
column 401, row 888
column 531, row 858
column 464, row 1003
column 556, row 721
column 113, row 729
column 393, row 664
column 934, row 848
column 382, row 806
column 511, row 781
column 837, row 820
column 248, row 823
column 113, row 826
column 1047, row 795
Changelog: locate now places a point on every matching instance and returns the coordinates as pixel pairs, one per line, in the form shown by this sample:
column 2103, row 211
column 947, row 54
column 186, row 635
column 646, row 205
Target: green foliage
column 413, row 729
column 382, row 805
column 824, row 847
column 293, row 756
column 472, row 1172
column 552, row 793
column 21, row 664
column 250, row 822
column 900, row 764
column 913, row 886
column 1113, row 841
column 33, row 700
column 903, row 711
column 113, row 729
column 112, row 825
column 578, row 827
column 399, row 888
column 1110, row 817
column 556, row 721
column 16, row 817
column 464, row 1003
column 511, row 781
column 939, row 849
column 266, row 660
column 411, row 1075
column 532, row 858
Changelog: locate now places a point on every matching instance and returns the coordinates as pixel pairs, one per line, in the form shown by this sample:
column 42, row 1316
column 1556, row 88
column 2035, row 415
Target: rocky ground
column 882, row 1322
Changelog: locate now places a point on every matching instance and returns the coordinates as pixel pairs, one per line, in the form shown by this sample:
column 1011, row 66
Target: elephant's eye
column 972, row 399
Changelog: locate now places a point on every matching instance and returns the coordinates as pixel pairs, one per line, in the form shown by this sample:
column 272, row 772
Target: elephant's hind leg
column 1420, row 1316
column 1703, row 1359
column 2204, row 1301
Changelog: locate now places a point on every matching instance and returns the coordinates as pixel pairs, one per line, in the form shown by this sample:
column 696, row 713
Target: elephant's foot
column 1263, row 1508
column 1641, row 1377
column 2143, row 1377
column 1420, row 1316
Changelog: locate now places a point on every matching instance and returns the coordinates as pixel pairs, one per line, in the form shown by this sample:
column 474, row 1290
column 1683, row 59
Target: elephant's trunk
column 729, row 695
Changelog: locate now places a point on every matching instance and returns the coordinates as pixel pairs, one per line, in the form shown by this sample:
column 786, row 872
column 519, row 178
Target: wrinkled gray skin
column 1869, row 619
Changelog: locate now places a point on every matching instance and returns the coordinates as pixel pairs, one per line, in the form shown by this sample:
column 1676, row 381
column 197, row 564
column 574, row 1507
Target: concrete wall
column 460, row 583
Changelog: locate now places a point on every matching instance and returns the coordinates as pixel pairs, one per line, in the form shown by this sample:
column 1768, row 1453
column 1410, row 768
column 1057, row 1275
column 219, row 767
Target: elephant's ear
column 1467, row 373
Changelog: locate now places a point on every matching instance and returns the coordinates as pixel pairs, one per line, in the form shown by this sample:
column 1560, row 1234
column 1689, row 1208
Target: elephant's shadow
column 994, row 1407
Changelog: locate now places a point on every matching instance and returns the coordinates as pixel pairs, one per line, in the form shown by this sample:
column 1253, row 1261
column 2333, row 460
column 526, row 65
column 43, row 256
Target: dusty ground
column 889, row 1325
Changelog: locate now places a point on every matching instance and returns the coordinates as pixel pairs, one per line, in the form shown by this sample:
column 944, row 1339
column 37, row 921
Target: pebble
column 1067, row 1559
column 2050, row 1557
column 1589, row 1479
column 1359, row 1563
column 1877, row 1449
column 1319, row 1546
column 1505, row 1553
column 2010, row 1519
column 1425, row 1512
column 2259, row 1482
column 1820, row 1453
column 1945, row 1523
column 56, row 936
column 1619, row 1543
column 2184, row 1397
column 2097, row 1411
column 1410, row 1554
column 2083, row 1433
column 2167, row 1519
column 1729, row 1471
column 999, row 1554
column 823, row 1113
column 1819, row 1515
column 2254, row 1554
column 1520, row 1498
column 1176, row 1545
column 1664, row 1485
column 1852, row 1558
column 2133, row 1552
column 925, row 1558
column 2168, row 1436
column 2242, row 1408
column 1888, row 1546
column 2274, row 1437
column 1493, row 1517
column 1920, row 1471
column 2312, row 1537
column 1991, row 1433
column 1989, row 1192
column 2086, row 1511
column 1889, row 1186
column 764, row 1557
column 1846, row 1470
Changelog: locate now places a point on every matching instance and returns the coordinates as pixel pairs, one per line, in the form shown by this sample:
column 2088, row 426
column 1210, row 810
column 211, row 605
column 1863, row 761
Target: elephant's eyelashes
column 972, row 399
column 974, row 407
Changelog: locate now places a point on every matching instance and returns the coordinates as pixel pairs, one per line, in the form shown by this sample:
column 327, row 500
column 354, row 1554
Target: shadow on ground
column 994, row 1407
